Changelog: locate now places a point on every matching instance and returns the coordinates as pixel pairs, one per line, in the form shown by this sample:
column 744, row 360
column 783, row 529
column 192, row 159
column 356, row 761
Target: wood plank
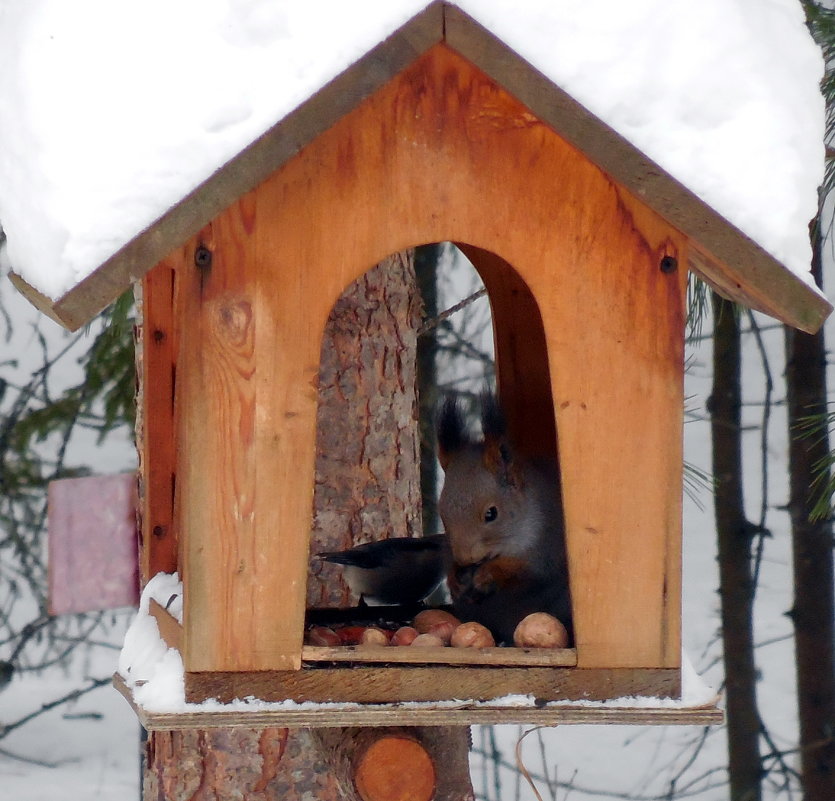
column 462, row 714
column 169, row 627
column 359, row 654
column 224, row 542
column 48, row 306
column 156, row 432
column 370, row 685
column 525, row 393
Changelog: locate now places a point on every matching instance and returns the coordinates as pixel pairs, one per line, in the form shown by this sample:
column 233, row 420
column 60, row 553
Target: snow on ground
column 93, row 751
column 112, row 111
column 91, row 746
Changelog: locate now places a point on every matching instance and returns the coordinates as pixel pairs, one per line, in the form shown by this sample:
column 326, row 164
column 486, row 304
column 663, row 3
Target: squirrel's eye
column 490, row 514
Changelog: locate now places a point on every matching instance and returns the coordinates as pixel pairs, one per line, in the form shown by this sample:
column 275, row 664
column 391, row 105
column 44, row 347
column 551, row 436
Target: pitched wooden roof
column 721, row 254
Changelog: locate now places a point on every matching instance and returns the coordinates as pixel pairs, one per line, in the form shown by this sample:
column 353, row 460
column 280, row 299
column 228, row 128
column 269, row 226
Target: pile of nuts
column 437, row 628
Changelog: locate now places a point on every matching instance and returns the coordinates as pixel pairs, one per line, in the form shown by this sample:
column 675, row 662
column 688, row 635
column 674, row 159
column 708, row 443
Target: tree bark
column 736, row 582
column 368, row 447
column 247, row 764
column 367, row 487
column 813, row 611
column 426, row 272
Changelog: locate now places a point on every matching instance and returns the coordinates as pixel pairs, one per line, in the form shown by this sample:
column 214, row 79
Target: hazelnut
column 323, row 636
column 472, row 635
column 351, row 635
column 428, row 618
column 372, row 636
column 540, row 630
column 427, row 641
column 405, row 635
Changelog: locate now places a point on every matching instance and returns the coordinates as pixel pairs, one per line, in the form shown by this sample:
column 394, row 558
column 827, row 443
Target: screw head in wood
column 669, row 264
column 202, row 257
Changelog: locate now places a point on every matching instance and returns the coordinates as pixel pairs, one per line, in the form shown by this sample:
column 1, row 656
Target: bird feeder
column 440, row 133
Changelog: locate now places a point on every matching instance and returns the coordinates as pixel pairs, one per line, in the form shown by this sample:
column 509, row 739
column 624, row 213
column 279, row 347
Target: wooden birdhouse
column 440, row 133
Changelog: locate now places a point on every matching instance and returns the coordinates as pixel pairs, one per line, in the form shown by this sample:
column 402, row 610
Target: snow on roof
column 111, row 112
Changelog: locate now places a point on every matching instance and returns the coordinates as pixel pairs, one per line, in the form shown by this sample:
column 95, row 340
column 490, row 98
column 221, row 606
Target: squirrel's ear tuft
column 496, row 454
column 493, row 424
column 452, row 432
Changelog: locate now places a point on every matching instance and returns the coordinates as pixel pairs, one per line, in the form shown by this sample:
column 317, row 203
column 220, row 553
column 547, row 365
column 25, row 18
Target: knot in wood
column 234, row 321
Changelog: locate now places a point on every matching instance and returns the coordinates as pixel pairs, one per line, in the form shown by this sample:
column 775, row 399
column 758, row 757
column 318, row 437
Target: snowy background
column 722, row 93
column 92, row 746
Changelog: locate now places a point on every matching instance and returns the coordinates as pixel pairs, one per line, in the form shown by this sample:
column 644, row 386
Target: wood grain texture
column 156, row 429
column 729, row 260
column 224, row 551
column 395, row 768
column 265, row 763
column 358, row 654
column 463, row 714
column 521, row 352
column 169, row 628
column 373, row 685
column 593, row 266
column 249, row 354
column 397, row 763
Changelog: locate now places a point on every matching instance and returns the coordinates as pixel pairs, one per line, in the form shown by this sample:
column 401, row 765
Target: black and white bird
column 396, row 571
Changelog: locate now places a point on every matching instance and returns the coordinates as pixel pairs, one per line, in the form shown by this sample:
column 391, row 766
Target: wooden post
column 156, row 356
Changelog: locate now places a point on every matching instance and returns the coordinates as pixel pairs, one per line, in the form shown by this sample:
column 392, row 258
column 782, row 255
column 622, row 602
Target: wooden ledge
column 329, row 716
column 395, row 684
column 172, row 633
column 517, row 657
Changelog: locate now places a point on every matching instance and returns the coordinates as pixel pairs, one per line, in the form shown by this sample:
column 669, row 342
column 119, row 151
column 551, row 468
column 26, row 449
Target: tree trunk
column 426, row 271
column 367, row 487
column 367, row 441
column 736, row 583
column 813, row 612
column 247, row 764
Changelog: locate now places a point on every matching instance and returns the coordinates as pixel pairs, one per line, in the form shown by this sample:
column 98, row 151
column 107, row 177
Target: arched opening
column 462, row 321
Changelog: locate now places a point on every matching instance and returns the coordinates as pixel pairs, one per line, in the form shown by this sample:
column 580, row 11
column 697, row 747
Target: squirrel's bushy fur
column 503, row 516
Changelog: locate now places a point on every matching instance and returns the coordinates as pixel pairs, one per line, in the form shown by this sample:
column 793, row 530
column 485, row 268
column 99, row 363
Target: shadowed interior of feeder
column 435, row 308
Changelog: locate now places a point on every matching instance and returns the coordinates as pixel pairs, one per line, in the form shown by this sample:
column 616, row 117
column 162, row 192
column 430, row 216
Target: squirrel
column 503, row 516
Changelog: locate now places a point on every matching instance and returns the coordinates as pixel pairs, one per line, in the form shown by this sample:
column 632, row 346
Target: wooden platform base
column 374, row 684
column 446, row 714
